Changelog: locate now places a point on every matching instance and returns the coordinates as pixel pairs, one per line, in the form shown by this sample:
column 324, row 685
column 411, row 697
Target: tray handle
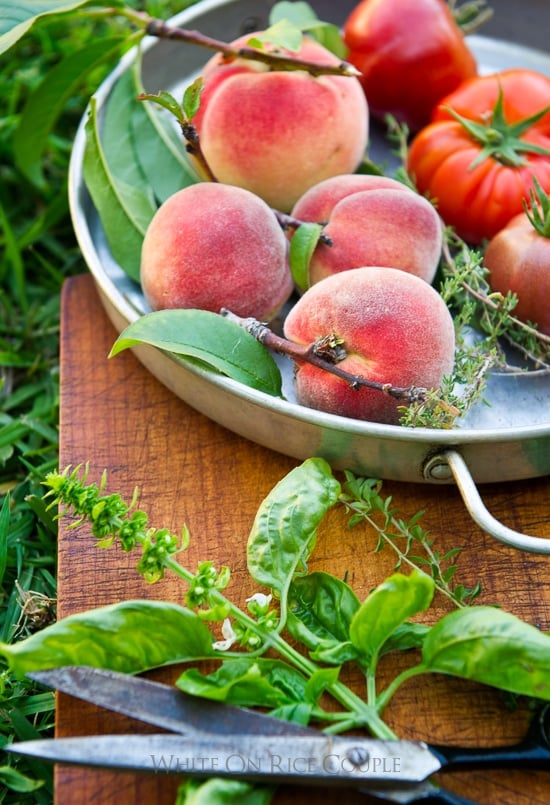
column 436, row 469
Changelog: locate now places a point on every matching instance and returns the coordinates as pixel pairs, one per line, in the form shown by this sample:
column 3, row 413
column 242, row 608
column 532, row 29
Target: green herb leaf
column 302, row 245
column 218, row 791
column 209, row 338
column 283, row 33
column 49, row 99
column 490, row 646
column 247, row 682
column 17, row 18
column 285, row 527
column 131, row 637
column 398, row 597
column 125, row 211
column 321, row 608
column 303, row 17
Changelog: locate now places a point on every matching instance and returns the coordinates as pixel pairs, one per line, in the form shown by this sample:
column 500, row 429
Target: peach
column 518, row 259
column 371, row 220
column 211, row 246
column 394, row 327
column 278, row 132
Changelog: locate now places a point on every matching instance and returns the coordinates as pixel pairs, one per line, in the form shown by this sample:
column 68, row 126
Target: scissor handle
column 533, row 752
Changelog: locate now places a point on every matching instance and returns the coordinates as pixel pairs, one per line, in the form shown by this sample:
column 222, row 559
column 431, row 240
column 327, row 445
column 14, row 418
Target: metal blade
column 318, row 759
column 161, row 705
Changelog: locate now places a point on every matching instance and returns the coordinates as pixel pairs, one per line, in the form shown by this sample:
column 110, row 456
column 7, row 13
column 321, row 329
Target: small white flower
column 229, row 635
column 260, row 599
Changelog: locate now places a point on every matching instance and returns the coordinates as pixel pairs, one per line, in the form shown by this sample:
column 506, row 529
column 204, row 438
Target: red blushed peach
column 518, row 259
column 394, row 327
column 279, row 132
column 371, row 220
column 211, row 246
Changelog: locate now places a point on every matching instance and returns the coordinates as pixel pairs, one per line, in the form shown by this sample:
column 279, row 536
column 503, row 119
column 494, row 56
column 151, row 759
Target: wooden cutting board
column 117, row 417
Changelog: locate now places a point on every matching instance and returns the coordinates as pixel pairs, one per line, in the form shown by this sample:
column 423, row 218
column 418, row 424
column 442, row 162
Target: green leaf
column 398, row 597
column 192, row 98
column 249, row 682
column 406, row 637
column 16, row 781
column 4, row 530
column 303, row 17
column 141, row 142
column 131, row 637
column 302, row 245
column 210, row 338
column 321, row 608
column 282, row 33
column 124, row 211
column 17, row 17
column 218, row 791
column 285, row 527
column 318, row 683
column 49, row 99
column 490, row 646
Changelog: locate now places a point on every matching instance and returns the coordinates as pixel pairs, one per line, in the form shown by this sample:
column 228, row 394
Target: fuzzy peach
column 518, row 259
column 371, row 220
column 211, row 246
column 394, row 327
column 278, row 132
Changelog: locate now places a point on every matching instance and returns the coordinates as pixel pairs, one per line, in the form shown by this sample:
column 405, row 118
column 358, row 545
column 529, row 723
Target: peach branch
column 325, row 353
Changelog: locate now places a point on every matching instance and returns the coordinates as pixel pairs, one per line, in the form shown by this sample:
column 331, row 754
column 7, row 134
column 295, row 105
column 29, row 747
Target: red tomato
column 411, row 53
column 518, row 259
column 479, row 174
column 524, row 92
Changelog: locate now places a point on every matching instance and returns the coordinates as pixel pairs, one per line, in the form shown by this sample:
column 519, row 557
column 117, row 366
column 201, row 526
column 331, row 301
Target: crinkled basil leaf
column 284, row 531
column 218, row 791
column 321, row 608
column 207, row 337
column 248, row 682
column 130, row 637
column 490, row 646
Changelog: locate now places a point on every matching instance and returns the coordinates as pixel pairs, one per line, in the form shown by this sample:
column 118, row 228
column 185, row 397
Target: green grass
column 38, row 251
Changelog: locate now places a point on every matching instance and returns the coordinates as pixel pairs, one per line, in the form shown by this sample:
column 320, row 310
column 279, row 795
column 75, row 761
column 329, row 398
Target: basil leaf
column 131, row 637
column 406, row 637
column 302, row 245
column 124, row 211
column 285, row 527
column 248, row 682
column 321, row 608
column 490, row 646
column 318, row 683
column 218, row 791
column 209, row 338
column 297, row 712
column 48, row 100
column 17, row 18
column 398, row 597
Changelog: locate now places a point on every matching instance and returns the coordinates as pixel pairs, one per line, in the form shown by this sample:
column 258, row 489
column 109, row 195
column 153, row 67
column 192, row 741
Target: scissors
column 205, row 738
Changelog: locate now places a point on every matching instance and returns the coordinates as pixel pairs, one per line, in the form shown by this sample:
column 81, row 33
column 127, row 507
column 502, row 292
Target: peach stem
column 277, row 61
column 312, row 353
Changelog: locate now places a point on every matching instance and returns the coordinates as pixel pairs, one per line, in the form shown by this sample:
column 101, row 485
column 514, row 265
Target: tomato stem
column 502, row 140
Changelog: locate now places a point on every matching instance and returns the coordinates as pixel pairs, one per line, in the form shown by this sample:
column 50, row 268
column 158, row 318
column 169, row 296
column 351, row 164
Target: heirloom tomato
column 411, row 53
column 518, row 260
column 478, row 167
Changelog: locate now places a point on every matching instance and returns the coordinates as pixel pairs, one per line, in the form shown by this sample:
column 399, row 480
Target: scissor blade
column 318, row 759
column 161, row 705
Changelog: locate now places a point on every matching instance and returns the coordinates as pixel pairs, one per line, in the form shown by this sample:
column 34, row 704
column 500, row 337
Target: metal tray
column 507, row 440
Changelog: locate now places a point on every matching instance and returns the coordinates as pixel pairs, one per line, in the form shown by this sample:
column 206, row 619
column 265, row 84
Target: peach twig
column 324, row 353
column 276, row 61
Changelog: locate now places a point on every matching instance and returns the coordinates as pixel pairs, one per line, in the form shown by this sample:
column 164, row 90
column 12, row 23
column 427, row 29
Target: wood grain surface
column 189, row 470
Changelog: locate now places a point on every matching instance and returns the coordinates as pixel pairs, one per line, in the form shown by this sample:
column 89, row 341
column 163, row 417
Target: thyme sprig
column 362, row 498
